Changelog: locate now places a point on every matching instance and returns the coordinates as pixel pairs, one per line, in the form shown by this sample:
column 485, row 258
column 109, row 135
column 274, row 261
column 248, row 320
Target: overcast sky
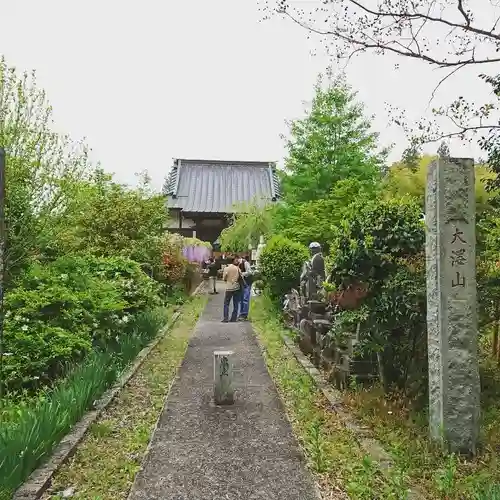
column 151, row 80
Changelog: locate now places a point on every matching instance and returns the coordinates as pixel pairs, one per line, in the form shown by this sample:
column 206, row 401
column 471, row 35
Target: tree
column 401, row 181
column 333, row 142
column 446, row 35
column 42, row 167
column 108, row 219
column 491, row 143
column 250, row 221
column 317, row 220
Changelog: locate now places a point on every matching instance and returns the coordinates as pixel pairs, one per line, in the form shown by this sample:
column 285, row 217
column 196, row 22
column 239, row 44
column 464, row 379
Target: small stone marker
column 223, row 378
column 454, row 388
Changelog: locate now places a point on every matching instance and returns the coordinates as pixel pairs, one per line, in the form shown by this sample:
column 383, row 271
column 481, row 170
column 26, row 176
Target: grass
column 31, row 429
column 404, row 434
column 333, row 452
column 107, row 460
column 342, row 469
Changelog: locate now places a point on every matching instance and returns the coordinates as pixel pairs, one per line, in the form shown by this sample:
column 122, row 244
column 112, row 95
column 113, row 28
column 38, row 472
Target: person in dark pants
column 213, row 268
column 232, row 276
column 246, row 272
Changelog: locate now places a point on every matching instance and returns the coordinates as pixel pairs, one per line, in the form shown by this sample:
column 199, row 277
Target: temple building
column 202, row 195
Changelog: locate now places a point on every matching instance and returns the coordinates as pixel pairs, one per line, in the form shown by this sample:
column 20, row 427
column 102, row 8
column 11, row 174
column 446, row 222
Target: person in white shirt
column 232, row 277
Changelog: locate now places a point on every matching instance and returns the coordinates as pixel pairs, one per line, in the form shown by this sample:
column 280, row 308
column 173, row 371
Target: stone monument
column 454, row 388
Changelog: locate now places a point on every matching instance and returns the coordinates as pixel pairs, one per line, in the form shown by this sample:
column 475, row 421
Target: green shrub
column 139, row 291
column 281, row 263
column 58, row 312
column 373, row 236
column 30, row 430
column 381, row 244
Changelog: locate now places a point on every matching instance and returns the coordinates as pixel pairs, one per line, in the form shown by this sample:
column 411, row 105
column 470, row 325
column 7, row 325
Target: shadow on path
column 241, row 452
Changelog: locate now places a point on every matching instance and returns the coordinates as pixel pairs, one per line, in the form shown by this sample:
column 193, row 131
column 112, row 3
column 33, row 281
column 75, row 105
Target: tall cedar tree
column 333, row 142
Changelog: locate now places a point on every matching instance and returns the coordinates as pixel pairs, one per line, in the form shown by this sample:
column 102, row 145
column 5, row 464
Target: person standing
column 233, row 278
column 246, row 272
column 213, row 268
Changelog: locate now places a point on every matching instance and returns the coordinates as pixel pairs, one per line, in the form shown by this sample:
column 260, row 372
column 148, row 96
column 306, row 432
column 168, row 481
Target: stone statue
column 260, row 247
column 313, row 273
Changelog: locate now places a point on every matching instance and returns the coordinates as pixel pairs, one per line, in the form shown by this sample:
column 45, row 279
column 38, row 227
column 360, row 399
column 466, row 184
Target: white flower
column 24, row 328
column 126, row 319
column 7, row 354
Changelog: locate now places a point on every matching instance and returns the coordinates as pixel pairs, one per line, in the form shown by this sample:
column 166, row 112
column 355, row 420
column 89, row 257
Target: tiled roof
column 217, row 186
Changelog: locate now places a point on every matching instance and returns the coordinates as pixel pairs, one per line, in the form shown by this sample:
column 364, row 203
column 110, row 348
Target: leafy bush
column 30, row 430
column 174, row 267
column 281, row 263
column 137, row 290
column 174, row 264
column 109, row 219
column 382, row 245
column 58, row 312
column 372, row 238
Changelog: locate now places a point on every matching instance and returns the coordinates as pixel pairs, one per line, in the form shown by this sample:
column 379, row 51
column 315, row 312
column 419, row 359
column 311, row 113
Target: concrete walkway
column 241, row 452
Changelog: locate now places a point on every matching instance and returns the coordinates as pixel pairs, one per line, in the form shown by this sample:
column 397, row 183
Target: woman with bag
column 234, row 286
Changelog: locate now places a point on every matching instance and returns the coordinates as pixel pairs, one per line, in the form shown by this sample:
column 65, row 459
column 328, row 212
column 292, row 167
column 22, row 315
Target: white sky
column 151, row 80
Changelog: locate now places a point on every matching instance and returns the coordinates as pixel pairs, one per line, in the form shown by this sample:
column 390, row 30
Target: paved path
column 240, row 452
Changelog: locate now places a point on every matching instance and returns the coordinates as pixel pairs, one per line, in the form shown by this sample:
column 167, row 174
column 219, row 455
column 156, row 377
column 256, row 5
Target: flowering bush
column 137, row 290
column 58, row 312
column 175, row 265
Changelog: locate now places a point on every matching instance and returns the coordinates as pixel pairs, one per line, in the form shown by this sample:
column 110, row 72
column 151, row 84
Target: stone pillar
column 454, row 388
column 223, row 378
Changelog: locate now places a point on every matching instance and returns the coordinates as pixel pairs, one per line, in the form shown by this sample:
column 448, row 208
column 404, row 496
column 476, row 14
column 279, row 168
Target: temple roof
column 217, row 186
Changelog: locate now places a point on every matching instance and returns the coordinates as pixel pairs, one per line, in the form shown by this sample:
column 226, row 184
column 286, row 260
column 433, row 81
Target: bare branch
column 417, row 15
column 406, row 52
column 462, row 11
column 462, row 132
column 436, row 88
column 442, row 33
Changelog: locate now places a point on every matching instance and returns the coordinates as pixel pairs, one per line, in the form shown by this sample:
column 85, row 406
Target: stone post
column 454, row 388
column 223, row 378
